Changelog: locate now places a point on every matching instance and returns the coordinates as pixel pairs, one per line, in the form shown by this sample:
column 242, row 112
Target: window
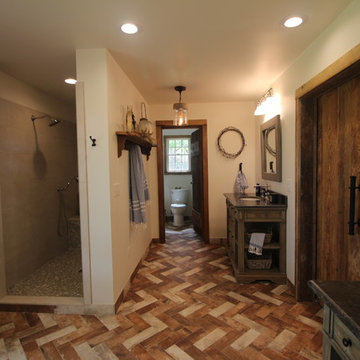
column 177, row 154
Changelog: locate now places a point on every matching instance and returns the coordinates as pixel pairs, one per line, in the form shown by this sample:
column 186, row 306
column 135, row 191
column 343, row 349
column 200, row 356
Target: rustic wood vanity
column 247, row 214
column 341, row 321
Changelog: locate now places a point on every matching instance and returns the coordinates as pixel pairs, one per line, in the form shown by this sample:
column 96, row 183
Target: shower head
column 52, row 122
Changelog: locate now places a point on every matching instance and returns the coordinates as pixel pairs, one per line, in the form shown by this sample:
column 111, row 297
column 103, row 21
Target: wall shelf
column 124, row 140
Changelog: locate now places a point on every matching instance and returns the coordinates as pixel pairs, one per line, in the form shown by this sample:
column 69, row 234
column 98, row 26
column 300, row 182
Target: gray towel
column 256, row 243
column 139, row 190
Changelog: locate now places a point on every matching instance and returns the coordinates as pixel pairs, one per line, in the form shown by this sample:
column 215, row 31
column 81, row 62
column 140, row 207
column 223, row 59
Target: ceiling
column 222, row 50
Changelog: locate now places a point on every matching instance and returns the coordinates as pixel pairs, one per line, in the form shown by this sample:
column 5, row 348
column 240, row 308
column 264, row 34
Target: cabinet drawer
column 265, row 215
column 343, row 335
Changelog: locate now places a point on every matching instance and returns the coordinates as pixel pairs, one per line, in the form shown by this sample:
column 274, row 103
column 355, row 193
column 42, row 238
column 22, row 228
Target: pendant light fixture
column 180, row 109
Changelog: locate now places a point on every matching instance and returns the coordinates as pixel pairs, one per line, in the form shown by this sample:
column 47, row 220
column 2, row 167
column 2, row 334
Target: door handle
column 352, row 221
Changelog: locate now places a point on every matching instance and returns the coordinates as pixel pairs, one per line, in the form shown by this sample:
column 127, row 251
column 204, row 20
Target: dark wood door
column 338, row 158
column 197, row 180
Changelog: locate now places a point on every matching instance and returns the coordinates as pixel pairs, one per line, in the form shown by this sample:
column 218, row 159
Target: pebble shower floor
column 60, row 276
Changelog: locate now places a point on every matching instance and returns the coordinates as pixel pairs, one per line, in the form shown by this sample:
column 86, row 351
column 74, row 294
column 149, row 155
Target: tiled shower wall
column 35, row 159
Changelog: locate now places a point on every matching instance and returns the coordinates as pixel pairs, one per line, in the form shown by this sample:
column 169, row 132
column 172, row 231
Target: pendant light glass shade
column 180, row 114
column 180, row 109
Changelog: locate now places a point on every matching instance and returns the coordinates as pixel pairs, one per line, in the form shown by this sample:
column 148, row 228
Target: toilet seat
column 178, row 205
column 178, row 211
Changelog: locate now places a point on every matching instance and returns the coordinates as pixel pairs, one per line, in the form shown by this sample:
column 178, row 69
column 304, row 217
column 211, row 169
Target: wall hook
column 93, row 141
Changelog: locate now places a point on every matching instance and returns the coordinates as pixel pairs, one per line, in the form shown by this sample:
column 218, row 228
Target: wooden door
column 338, row 158
column 197, row 180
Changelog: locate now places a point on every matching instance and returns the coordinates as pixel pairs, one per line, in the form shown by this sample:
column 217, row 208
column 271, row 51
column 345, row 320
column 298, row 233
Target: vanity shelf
column 245, row 216
column 124, row 139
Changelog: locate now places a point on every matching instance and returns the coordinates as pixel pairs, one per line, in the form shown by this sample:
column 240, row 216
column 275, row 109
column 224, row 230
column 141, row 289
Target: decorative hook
column 240, row 167
column 93, row 141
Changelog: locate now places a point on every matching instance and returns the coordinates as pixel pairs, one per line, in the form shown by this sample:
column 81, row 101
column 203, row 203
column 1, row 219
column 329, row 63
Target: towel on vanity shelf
column 139, row 190
column 256, row 243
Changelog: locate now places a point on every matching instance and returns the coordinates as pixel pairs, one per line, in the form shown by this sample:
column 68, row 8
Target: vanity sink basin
column 249, row 198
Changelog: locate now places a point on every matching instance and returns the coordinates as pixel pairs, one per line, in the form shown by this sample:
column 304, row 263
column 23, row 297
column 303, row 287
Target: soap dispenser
column 257, row 189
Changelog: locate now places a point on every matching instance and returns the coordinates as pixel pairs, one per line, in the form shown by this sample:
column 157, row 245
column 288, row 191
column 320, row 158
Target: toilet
column 178, row 205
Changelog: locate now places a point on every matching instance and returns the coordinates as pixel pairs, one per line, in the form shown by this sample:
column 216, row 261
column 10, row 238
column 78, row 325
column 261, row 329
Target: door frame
column 341, row 70
column 168, row 124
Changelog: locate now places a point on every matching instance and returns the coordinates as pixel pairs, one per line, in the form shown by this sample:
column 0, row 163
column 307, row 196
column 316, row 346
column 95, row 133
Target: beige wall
column 92, row 72
column 222, row 171
column 35, row 160
column 340, row 36
column 129, row 243
column 115, row 246
column 20, row 93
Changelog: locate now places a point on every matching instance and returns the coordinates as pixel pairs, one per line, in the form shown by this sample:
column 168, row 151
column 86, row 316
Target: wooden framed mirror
column 270, row 133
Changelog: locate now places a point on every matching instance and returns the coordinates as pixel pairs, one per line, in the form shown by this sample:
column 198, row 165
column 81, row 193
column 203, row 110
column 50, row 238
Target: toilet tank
column 179, row 196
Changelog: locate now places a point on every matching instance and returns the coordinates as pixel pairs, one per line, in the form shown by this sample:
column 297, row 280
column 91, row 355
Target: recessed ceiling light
column 129, row 28
column 71, row 81
column 293, row 22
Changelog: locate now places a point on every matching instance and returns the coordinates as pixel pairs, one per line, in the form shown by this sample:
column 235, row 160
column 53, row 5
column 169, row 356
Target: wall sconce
column 180, row 109
column 266, row 103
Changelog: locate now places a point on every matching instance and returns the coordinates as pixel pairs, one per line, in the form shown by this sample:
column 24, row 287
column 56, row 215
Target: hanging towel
column 139, row 190
column 256, row 243
column 240, row 182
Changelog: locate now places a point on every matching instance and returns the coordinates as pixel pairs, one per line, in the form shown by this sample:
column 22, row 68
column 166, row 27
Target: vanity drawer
column 346, row 340
column 265, row 215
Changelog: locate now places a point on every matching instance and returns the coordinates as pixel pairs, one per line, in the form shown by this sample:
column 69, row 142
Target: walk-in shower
column 52, row 122
column 39, row 260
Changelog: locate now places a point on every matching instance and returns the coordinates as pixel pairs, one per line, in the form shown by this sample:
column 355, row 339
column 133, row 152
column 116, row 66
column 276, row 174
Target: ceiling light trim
column 129, row 28
column 293, row 22
column 70, row 81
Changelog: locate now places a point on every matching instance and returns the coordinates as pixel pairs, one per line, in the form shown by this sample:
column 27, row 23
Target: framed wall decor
column 222, row 147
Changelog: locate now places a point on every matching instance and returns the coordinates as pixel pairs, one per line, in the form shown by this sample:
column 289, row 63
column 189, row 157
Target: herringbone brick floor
column 183, row 304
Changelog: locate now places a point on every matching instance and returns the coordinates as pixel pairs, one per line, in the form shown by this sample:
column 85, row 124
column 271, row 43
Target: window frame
column 166, row 157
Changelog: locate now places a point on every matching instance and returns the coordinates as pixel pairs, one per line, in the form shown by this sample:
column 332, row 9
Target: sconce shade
column 265, row 104
column 180, row 109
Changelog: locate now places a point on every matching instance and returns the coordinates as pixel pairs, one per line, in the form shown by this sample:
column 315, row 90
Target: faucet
column 268, row 197
column 265, row 193
column 68, row 183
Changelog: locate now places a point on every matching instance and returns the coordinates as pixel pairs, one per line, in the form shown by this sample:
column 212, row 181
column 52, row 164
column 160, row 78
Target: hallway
column 183, row 304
